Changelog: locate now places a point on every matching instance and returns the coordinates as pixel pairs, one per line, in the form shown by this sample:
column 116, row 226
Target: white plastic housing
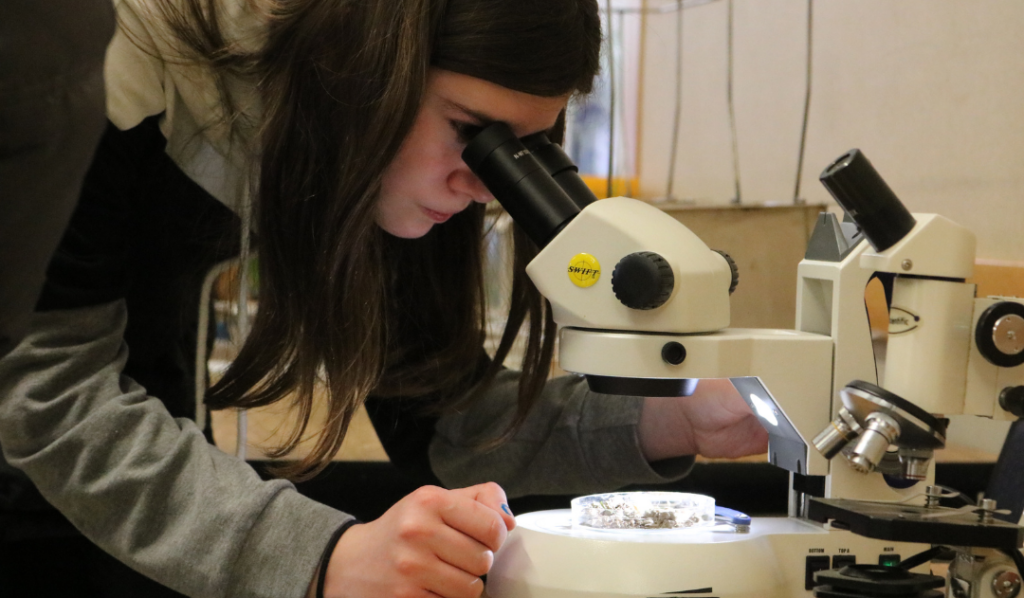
column 610, row 230
column 929, row 338
column 830, row 301
column 545, row 557
column 781, row 355
column 795, row 367
column 936, row 246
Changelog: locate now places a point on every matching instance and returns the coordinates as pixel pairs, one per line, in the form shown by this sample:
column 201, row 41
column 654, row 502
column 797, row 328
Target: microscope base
column 545, row 558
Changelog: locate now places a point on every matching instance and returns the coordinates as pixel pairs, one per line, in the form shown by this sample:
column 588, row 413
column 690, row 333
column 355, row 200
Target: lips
column 437, row 217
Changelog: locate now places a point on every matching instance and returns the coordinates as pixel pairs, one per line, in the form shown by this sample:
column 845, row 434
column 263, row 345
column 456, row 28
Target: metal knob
column 933, row 494
column 1006, row 584
column 986, row 510
column 999, row 334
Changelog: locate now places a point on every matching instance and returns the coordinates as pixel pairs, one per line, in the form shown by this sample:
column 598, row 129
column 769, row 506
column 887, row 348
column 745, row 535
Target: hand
column 713, row 422
column 434, row 542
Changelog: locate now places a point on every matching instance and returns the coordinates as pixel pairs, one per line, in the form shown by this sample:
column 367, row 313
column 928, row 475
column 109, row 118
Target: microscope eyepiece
column 561, row 167
column 862, row 193
column 523, row 186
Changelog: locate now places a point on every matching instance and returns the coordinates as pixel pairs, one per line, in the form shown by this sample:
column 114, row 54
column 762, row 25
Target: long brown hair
column 342, row 303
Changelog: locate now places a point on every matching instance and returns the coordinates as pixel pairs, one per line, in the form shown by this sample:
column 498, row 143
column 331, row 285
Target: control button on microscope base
column 842, row 560
column 815, row 564
column 889, row 560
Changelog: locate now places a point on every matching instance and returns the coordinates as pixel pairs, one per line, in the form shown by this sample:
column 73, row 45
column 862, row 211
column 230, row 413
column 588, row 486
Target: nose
column 463, row 182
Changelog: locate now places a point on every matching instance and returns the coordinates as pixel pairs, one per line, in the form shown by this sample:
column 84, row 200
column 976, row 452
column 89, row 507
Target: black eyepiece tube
column 561, row 167
column 862, row 193
column 525, row 189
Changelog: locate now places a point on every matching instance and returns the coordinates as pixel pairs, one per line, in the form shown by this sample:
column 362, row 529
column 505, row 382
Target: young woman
column 332, row 131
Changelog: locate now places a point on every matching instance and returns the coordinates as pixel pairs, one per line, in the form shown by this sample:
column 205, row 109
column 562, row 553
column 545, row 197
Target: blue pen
column 739, row 521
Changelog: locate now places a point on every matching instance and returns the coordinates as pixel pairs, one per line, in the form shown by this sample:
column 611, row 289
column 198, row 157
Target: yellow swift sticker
column 584, row 270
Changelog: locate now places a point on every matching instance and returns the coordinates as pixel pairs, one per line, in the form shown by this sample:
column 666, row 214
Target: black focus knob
column 673, row 353
column 1000, row 334
column 643, row 280
column 733, row 269
column 1012, row 400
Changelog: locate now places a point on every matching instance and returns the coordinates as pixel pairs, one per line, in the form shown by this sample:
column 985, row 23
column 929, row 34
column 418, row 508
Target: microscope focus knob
column 1011, row 399
column 733, row 269
column 1000, row 334
column 643, row 280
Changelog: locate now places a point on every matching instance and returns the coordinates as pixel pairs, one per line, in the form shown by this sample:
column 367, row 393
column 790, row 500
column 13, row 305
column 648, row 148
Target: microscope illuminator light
column 764, row 409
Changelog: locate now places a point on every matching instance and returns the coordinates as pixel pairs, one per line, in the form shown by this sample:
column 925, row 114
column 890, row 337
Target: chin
column 407, row 230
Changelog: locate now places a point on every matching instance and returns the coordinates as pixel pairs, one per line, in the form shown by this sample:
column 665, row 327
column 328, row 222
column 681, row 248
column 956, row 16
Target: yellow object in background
column 621, row 186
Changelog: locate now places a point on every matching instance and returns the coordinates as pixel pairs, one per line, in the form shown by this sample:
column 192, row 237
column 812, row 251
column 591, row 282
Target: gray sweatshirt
column 151, row 491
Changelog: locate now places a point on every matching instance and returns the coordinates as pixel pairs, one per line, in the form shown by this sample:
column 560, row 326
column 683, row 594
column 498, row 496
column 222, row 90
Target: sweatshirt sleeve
column 146, row 487
column 574, row 441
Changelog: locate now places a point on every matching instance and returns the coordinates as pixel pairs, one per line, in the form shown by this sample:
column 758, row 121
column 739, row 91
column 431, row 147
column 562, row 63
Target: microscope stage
column 952, row 527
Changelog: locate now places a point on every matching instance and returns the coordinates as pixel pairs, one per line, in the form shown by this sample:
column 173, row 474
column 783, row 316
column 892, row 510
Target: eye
column 466, row 131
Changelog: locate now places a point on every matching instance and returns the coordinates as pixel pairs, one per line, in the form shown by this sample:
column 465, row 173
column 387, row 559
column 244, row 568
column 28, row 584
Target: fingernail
column 505, row 508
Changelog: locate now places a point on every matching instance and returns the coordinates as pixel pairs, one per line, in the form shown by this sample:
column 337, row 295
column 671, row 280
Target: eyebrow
column 482, row 118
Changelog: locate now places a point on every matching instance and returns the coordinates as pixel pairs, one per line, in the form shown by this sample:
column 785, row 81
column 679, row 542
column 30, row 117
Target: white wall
column 931, row 90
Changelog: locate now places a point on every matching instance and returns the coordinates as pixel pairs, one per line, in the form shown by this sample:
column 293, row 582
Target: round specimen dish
column 643, row 510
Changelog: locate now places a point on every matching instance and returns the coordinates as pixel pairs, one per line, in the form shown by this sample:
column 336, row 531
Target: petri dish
column 643, row 511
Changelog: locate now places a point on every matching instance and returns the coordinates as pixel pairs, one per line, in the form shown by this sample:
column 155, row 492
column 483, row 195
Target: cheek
column 398, row 171
column 427, row 173
column 426, row 159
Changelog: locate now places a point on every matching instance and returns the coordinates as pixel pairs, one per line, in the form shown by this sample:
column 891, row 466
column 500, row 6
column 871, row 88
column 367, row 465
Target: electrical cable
column 1018, row 560
column 670, row 185
column 807, row 101
column 921, row 557
column 624, row 164
column 202, row 340
column 242, row 424
column 738, row 199
column 666, row 7
column 611, row 103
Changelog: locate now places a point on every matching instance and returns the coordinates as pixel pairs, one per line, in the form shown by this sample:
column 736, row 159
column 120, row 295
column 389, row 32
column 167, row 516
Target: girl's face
column 427, row 183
